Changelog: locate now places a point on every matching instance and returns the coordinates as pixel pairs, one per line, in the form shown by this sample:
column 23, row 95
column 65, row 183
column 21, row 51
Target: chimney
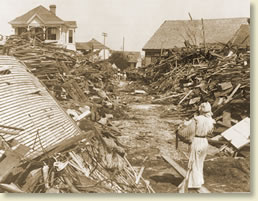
column 52, row 9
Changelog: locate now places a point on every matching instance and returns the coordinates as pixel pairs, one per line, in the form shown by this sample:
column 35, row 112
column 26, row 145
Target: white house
column 49, row 26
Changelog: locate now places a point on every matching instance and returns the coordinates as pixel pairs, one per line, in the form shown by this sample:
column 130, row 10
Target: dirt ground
column 148, row 133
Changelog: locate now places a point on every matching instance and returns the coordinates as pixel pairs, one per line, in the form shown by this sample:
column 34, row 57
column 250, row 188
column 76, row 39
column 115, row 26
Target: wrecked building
column 174, row 33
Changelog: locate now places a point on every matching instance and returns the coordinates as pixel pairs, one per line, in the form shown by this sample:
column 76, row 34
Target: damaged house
column 179, row 33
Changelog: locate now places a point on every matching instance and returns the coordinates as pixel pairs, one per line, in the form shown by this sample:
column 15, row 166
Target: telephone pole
column 104, row 35
column 123, row 44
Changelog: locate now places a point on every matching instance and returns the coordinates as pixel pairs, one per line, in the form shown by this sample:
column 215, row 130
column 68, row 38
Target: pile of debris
column 74, row 79
column 44, row 150
column 90, row 163
column 193, row 75
column 93, row 160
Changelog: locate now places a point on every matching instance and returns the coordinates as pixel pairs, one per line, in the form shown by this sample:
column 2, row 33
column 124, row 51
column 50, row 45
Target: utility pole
column 104, row 35
column 123, row 44
column 190, row 16
column 203, row 32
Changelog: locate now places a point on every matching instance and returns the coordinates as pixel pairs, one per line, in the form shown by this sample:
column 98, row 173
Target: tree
column 120, row 60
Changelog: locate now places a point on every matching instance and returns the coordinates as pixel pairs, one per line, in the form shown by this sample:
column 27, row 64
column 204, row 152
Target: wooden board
column 239, row 134
column 181, row 171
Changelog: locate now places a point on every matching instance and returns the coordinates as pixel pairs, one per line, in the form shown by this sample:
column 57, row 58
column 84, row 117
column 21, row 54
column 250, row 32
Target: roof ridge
column 37, row 10
column 207, row 19
column 172, row 33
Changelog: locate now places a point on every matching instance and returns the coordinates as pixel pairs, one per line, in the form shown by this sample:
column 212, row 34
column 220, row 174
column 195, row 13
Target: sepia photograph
column 125, row 96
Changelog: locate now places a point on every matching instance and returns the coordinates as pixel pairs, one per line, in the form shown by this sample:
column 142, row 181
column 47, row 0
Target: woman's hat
column 205, row 107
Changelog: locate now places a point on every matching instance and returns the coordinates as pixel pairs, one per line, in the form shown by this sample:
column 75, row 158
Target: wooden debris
column 207, row 74
column 239, row 134
column 182, row 171
column 10, row 188
column 12, row 159
column 31, row 180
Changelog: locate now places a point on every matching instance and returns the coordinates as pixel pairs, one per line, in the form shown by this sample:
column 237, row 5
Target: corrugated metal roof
column 26, row 104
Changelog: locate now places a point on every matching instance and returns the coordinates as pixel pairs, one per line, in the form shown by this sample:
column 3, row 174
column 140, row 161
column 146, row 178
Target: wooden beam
column 67, row 143
column 181, row 171
column 12, row 160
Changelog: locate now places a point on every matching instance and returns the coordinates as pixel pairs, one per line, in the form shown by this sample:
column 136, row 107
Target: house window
column 51, row 33
column 70, row 40
column 21, row 30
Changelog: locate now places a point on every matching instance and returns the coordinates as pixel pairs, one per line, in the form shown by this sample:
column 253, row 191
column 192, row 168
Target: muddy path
column 148, row 133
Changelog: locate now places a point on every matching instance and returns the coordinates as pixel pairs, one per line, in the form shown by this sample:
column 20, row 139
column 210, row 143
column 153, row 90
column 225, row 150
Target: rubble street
column 150, row 133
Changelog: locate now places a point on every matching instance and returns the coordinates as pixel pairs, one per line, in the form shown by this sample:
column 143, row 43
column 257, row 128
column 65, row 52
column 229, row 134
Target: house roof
column 174, row 32
column 26, row 104
column 44, row 14
column 71, row 24
column 92, row 44
column 242, row 36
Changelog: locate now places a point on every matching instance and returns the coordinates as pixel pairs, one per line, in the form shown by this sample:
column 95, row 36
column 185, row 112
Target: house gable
column 35, row 21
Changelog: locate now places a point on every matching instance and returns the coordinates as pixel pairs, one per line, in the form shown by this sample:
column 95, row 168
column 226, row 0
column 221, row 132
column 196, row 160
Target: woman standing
column 200, row 126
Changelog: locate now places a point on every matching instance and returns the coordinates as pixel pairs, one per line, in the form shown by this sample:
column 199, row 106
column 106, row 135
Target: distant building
column 176, row 33
column 49, row 26
column 134, row 58
column 94, row 46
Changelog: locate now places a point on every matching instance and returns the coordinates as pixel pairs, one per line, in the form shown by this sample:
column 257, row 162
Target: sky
column 134, row 20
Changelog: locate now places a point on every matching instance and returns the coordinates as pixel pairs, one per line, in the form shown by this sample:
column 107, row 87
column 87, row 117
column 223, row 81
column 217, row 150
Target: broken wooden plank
column 185, row 96
column 182, row 171
column 167, row 97
column 67, row 143
column 226, row 85
column 226, row 119
column 229, row 98
column 11, row 127
column 239, row 134
column 12, row 160
column 140, row 172
column 31, row 180
column 11, row 188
